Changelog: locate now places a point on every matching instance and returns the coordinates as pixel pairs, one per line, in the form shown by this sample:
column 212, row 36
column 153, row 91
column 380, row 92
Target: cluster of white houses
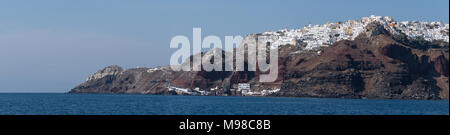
column 244, row 89
column 182, row 91
column 316, row 36
column 323, row 35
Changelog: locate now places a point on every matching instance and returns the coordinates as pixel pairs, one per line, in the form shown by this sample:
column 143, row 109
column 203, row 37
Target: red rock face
column 441, row 65
column 375, row 66
column 419, row 65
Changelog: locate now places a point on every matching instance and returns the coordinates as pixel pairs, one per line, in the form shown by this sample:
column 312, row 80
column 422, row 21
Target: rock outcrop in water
column 376, row 65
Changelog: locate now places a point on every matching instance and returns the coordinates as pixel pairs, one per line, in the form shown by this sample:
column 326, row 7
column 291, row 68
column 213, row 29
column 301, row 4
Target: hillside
column 377, row 63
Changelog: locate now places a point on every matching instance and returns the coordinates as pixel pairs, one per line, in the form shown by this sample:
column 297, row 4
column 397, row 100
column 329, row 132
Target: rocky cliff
column 376, row 65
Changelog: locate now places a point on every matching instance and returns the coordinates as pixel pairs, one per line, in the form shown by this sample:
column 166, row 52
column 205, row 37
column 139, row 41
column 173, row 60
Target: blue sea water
column 110, row 104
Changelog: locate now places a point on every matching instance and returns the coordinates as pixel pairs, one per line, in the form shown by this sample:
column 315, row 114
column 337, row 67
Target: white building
column 244, row 88
column 316, row 36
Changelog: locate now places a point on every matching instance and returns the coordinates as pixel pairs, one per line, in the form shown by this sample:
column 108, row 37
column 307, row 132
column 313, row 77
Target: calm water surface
column 109, row 104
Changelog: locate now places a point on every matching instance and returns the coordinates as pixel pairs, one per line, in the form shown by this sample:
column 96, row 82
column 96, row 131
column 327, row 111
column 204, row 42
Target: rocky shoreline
column 375, row 65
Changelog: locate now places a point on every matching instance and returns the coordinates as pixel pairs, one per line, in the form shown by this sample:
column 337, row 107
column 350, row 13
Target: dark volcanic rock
column 441, row 65
column 374, row 65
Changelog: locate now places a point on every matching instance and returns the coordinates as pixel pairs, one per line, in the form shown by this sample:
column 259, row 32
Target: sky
column 53, row 45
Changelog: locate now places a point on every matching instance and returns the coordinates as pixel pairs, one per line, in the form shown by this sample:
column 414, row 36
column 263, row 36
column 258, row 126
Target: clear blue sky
column 52, row 45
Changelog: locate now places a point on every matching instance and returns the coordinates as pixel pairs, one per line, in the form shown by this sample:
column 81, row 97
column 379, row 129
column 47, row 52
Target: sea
column 129, row 104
